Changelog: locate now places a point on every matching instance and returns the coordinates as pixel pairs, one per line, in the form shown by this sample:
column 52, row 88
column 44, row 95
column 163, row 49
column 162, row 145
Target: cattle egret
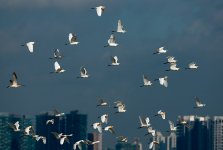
column 83, row 73
column 29, row 130
column 144, row 122
column 102, row 102
column 173, row 67
column 161, row 113
column 104, row 118
column 122, row 139
column 192, row 65
column 72, row 39
column 151, row 131
column 58, row 114
column 120, row 27
column 13, row 82
column 160, row 50
column 99, row 10
column 114, row 60
column 152, row 144
column 78, row 144
column 198, row 102
column 29, row 46
column 163, row 81
column 15, row 126
column 146, row 81
column 111, row 41
column 170, row 59
column 56, row 54
column 57, row 68
column 97, row 126
column 110, row 129
column 172, row 127
column 37, row 138
column 50, row 121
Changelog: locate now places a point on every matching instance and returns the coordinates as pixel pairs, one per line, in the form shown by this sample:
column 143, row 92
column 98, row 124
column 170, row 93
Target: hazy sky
column 191, row 30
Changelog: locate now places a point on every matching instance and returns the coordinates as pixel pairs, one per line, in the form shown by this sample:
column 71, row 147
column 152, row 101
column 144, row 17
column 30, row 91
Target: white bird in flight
column 118, row 103
column 192, row 65
column 102, row 102
column 98, row 126
column 104, row 118
column 170, row 59
column 114, row 60
column 151, row 131
column 29, row 130
column 99, row 10
column 110, row 129
column 111, row 41
column 152, row 144
column 173, row 67
column 13, row 82
column 15, row 126
column 58, row 114
column 56, row 54
column 146, row 81
column 50, row 121
column 162, row 114
column 120, row 28
column 172, row 127
column 122, row 139
column 61, row 137
column 37, row 138
column 64, row 139
column 163, row 81
column 198, row 102
column 121, row 109
column 29, row 46
column 88, row 142
column 57, row 135
column 144, row 122
column 160, row 50
column 72, row 39
column 83, row 73
column 58, row 68
column 184, row 123
column 78, row 144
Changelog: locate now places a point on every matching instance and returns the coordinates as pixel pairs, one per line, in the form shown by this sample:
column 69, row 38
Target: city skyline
column 202, row 129
column 190, row 31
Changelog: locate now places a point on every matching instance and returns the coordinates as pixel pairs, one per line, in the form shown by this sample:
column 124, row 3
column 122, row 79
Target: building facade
column 196, row 135
column 217, row 136
column 71, row 123
column 10, row 140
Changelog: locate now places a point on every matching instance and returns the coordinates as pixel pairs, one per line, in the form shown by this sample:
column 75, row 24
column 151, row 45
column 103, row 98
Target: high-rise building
column 196, row 135
column 46, row 130
column 217, row 136
column 10, row 140
column 76, row 124
column 72, row 123
column 95, row 137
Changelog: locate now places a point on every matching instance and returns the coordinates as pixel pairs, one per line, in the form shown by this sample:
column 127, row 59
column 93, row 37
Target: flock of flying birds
column 61, row 137
column 144, row 121
column 119, row 105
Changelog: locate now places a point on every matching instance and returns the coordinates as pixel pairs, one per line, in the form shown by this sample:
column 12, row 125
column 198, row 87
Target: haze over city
column 190, row 30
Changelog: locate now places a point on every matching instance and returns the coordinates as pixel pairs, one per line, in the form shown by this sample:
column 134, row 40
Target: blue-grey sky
column 190, row 30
